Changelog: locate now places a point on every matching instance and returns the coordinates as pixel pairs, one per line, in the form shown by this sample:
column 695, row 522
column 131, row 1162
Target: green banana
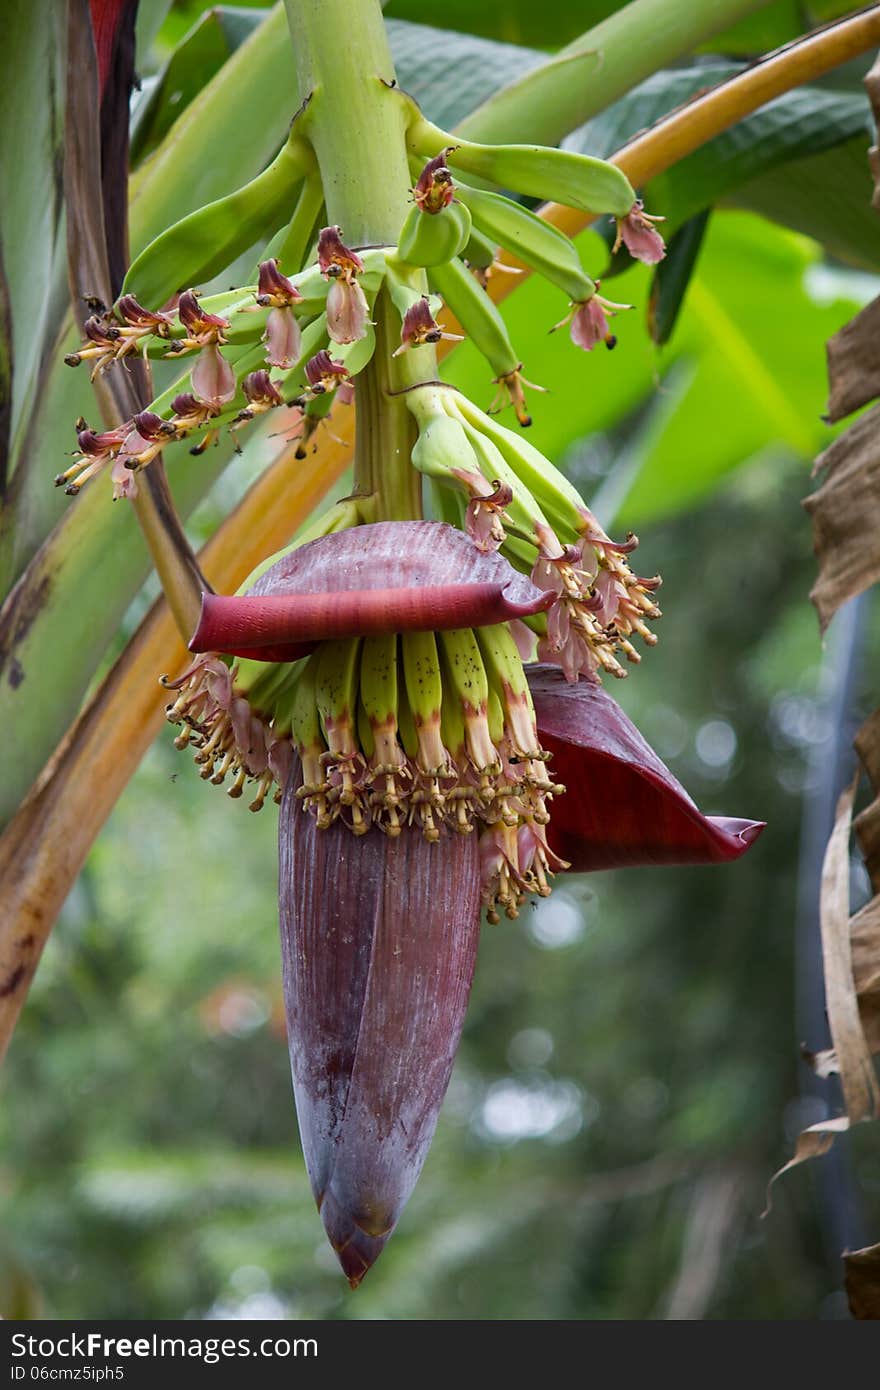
column 577, row 180
column 446, row 505
column 559, row 500
column 406, row 725
column 379, row 700
column 448, row 443
column 201, row 244
column 477, row 315
column 479, row 254
column 506, row 676
column 356, row 355
column 523, row 510
column 406, row 287
column 336, row 697
column 378, row 686
column 466, row 681
column 307, row 734
column 495, row 715
column 535, row 242
column 442, row 445
column 366, row 742
column 423, row 683
column 428, row 239
column 261, row 682
column 290, row 245
column 285, row 698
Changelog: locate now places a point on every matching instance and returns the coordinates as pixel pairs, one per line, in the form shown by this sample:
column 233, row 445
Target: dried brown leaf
column 846, row 516
column 854, row 363
column 861, row 1092
column 863, row 1282
column 811, row 1143
column 865, row 941
column 867, row 823
column 850, row 1056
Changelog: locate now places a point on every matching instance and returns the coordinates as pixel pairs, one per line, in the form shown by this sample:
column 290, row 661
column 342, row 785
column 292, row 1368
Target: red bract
column 393, row 576
column 379, row 940
column 622, row 805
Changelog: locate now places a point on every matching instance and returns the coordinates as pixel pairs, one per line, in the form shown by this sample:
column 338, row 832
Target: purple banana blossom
column 379, row 931
column 378, row 946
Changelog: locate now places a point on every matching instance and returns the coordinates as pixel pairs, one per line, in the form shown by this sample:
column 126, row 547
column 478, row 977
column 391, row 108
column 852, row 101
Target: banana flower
column 399, row 820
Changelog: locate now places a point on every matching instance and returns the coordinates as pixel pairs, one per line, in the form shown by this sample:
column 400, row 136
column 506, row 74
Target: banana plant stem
column 356, row 124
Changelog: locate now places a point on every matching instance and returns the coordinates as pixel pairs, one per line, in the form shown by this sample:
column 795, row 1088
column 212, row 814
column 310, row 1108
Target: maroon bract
column 622, row 805
column 399, row 576
column 378, row 942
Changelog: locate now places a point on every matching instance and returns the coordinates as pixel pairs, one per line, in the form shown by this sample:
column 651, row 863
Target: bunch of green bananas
column 432, row 730
column 447, row 244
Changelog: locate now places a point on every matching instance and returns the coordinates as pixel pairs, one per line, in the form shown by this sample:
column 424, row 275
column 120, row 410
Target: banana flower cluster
column 423, row 773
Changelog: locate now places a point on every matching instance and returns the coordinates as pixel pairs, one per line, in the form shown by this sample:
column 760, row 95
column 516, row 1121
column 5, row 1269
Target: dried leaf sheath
column 379, row 940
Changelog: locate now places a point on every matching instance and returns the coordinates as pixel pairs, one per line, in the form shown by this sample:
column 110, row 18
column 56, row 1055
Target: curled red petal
column 393, row 576
column 378, row 942
column 622, row 805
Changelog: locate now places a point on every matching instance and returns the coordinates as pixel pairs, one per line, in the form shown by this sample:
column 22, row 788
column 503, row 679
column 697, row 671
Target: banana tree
column 413, row 670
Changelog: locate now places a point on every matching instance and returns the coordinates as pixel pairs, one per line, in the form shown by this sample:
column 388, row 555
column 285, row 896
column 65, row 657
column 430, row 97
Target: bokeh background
column 629, row 1076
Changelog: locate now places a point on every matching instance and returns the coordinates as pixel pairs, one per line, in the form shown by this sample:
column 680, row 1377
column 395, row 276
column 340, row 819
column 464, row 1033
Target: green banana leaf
column 32, row 282
column 519, row 21
column 768, row 145
column 214, row 37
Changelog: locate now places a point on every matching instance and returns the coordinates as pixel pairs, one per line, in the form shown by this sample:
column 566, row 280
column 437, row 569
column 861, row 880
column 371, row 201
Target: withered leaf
column 867, row 824
column 854, row 363
column 865, row 942
column 863, row 1281
column 846, row 516
column 861, row 1092
column 811, row 1143
column 851, row 1056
